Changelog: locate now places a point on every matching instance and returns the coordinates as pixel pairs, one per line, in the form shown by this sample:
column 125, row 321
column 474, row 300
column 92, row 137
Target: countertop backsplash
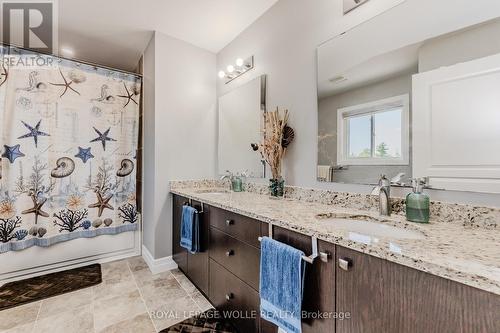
column 465, row 215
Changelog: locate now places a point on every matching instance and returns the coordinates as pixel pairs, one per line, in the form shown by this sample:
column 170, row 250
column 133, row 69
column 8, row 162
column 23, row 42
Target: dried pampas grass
column 277, row 137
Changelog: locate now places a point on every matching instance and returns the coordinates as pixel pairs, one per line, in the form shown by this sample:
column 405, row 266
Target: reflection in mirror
column 429, row 110
column 240, row 126
column 364, row 120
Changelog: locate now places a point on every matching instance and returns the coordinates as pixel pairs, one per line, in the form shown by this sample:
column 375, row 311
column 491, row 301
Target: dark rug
column 206, row 322
column 34, row 289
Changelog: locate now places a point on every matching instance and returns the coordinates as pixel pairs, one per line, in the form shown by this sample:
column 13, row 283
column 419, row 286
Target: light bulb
column 239, row 62
column 230, row 68
column 222, row 74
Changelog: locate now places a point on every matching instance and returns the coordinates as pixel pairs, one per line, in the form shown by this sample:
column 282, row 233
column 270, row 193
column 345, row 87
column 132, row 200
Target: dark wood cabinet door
column 241, row 259
column 240, row 227
column 319, row 284
column 197, row 264
column 382, row 296
column 235, row 300
column 179, row 253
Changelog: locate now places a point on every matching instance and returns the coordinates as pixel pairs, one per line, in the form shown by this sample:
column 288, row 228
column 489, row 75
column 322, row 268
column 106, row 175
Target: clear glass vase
column 277, row 187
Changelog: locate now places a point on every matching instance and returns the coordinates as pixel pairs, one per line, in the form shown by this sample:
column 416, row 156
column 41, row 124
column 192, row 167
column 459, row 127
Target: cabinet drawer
column 238, row 226
column 232, row 296
column 239, row 258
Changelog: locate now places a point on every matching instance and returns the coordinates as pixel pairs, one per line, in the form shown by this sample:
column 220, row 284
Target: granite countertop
column 466, row 254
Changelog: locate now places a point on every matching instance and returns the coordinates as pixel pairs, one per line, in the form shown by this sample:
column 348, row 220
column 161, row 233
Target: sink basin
column 214, row 191
column 369, row 225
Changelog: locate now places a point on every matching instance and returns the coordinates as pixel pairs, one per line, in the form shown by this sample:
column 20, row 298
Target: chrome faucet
column 229, row 175
column 383, row 190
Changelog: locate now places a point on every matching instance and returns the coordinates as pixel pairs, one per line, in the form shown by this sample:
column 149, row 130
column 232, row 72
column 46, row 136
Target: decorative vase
column 277, row 187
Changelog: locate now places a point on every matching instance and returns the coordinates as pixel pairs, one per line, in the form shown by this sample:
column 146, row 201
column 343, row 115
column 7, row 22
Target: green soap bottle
column 417, row 203
column 237, row 184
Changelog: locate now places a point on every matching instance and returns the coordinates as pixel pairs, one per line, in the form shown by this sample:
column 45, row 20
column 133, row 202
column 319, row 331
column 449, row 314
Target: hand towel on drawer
column 281, row 284
column 190, row 229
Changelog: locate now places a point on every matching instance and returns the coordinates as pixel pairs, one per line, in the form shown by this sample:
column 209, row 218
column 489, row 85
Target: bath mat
column 37, row 288
column 203, row 323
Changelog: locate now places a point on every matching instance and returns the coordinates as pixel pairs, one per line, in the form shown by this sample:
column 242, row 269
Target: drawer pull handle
column 229, row 222
column 345, row 263
column 229, row 253
column 229, row 297
column 324, row 256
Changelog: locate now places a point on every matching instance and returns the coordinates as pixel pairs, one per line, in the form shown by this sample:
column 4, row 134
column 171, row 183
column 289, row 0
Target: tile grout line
column 37, row 315
column 93, row 307
column 142, row 298
column 187, row 292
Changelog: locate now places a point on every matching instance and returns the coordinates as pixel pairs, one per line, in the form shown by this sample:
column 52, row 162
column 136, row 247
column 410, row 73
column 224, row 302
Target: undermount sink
column 214, row 191
column 369, row 225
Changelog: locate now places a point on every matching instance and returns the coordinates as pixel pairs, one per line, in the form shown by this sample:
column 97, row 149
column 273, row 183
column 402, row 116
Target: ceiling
column 116, row 32
column 374, row 70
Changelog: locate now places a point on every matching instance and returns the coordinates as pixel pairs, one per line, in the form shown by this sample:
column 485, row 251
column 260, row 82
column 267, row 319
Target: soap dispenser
column 417, row 203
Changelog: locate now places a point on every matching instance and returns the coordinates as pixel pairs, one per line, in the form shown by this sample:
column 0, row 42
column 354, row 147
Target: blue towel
column 281, row 284
column 190, row 229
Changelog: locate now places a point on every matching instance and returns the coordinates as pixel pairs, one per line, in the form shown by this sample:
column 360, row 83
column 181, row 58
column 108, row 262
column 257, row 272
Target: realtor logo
column 30, row 25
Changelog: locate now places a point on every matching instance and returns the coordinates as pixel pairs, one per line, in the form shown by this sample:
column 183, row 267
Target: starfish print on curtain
column 129, row 96
column 37, row 208
column 84, row 154
column 101, row 203
column 12, row 152
column 34, row 132
column 103, row 137
column 67, row 85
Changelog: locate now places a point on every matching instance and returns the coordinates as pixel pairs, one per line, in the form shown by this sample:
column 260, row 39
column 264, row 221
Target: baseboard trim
column 62, row 266
column 158, row 265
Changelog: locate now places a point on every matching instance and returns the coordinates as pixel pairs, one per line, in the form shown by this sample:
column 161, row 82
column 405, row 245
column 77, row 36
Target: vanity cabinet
column 351, row 292
column 382, row 296
column 179, row 254
column 195, row 266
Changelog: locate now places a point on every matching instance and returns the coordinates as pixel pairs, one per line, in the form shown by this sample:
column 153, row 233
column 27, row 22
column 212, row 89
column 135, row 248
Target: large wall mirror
column 429, row 108
column 240, row 126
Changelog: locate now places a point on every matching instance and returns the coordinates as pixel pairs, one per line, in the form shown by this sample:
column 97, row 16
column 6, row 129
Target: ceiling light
column 239, row 62
column 230, row 68
column 222, row 74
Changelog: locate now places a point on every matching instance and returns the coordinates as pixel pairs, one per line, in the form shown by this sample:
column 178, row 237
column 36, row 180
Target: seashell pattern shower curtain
column 68, row 141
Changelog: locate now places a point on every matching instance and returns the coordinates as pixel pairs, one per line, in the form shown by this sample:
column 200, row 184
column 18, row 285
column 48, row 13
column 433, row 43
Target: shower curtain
column 68, row 140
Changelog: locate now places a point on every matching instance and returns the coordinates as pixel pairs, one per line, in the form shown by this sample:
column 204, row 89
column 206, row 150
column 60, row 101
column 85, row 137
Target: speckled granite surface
column 462, row 243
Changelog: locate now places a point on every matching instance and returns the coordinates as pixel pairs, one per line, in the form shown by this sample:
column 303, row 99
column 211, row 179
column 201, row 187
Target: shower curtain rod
column 75, row 60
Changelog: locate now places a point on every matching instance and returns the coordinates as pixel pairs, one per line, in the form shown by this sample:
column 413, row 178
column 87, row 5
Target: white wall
column 284, row 42
column 478, row 42
column 179, row 129
column 148, row 156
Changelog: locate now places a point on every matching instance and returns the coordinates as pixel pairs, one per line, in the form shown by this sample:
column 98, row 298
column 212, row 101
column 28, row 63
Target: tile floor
column 130, row 299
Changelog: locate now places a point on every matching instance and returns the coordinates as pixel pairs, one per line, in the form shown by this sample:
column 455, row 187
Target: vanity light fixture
column 233, row 71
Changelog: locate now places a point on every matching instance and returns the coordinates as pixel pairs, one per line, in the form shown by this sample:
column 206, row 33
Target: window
column 376, row 133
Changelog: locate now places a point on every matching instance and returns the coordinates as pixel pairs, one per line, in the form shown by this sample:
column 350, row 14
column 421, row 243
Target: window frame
column 372, row 108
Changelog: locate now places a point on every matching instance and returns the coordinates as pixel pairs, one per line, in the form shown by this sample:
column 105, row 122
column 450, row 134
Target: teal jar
column 237, row 184
column 417, row 204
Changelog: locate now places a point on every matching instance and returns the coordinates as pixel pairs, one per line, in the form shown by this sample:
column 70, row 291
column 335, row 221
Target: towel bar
column 314, row 255
column 190, row 203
